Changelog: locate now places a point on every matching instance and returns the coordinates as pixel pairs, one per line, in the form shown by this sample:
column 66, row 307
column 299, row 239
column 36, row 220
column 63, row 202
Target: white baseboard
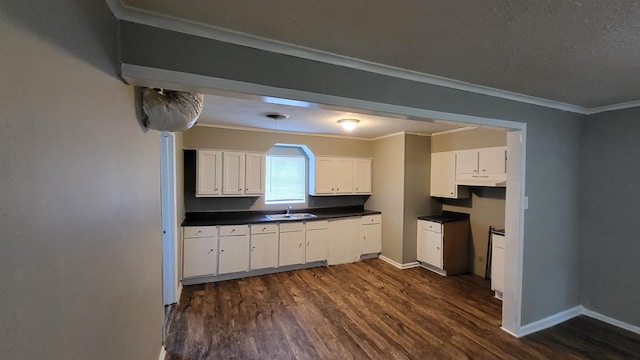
column 550, row 321
column 399, row 265
column 563, row 316
column 179, row 292
column 611, row 321
column 163, row 353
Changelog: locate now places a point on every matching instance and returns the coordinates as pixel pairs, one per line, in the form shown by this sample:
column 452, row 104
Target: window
column 286, row 174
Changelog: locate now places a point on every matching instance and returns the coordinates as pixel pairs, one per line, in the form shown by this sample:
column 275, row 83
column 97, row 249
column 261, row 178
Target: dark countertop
column 446, row 216
column 213, row 218
column 498, row 231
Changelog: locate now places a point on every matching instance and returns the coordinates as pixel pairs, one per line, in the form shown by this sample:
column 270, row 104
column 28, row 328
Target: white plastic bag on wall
column 168, row 110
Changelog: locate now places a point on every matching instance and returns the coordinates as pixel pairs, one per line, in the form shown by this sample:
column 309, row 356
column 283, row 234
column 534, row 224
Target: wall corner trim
column 569, row 314
column 397, row 264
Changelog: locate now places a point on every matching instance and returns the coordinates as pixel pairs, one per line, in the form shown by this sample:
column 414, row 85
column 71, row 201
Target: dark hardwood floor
column 370, row 310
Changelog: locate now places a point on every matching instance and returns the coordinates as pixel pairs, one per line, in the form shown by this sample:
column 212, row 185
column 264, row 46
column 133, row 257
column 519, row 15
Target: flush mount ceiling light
column 348, row 124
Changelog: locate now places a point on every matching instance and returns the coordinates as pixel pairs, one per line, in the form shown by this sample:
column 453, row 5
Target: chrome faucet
column 288, row 212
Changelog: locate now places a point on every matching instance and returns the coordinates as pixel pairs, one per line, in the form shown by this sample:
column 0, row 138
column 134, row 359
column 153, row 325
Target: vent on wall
column 168, row 110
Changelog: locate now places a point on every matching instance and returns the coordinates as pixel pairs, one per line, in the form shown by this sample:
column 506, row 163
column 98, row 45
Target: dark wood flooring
column 370, row 310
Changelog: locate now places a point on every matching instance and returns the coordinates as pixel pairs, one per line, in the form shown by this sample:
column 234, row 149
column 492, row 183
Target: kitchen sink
column 292, row 216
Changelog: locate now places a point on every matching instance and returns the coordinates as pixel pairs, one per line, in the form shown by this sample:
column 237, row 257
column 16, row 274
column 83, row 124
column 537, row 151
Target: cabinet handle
column 221, row 251
column 239, row 189
column 308, row 242
column 253, row 248
column 299, row 245
column 264, row 228
column 437, row 247
column 216, row 189
column 210, row 251
column 247, row 189
column 232, row 230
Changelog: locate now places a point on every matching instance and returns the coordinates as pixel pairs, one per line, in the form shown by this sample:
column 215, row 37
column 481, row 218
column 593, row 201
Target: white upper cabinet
column 482, row 161
column 492, row 160
column 339, row 176
column 233, row 173
column 362, row 176
column 209, row 173
column 443, row 176
column 229, row 173
column 255, row 170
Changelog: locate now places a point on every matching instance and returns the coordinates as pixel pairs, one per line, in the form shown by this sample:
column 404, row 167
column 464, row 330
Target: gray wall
column 417, row 202
column 551, row 267
column 610, row 207
column 486, row 206
column 80, row 235
column 388, row 192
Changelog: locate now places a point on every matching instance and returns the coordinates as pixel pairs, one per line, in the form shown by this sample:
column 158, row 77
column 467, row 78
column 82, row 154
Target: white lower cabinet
column 200, row 251
column 371, row 234
column 344, row 241
column 316, row 234
column 292, row 243
column 497, row 264
column 264, row 246
column 214, row 251
column 444, row 246
column 233, row 255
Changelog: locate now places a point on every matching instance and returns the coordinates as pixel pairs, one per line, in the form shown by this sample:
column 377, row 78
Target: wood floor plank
column 370, row 310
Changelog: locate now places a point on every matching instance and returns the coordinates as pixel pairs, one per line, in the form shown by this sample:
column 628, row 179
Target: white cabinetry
column 339, row 176
column 444, row 247
column 208, row 173
column 255, row 172
column 443, row 176
column 344, row 240
column 371, row 234
column 264, row 246
column 362, row 176
column 497, row 263
column 316, row 233
column 229, row 173
column 482, row 161
column 233, row 255
column 200, row 245
column 292, row 245
column 332, row 176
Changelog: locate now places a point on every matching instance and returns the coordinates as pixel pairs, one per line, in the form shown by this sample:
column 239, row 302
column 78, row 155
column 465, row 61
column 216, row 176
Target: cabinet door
column 344, row 241
column 208, row 173
column 254, row 174
column 493, row 160
column 291, row 248
column 422, row 244
column 362, row 176
column 317, row 245
column 323, row 182
column 443, row 174
column 467, row 162
column 264, row 251
column 433, row 250
column 199, row 256
column 233, row 173
column 497, row 266
column 343, row 175
column 371, row 239
column 234, row 254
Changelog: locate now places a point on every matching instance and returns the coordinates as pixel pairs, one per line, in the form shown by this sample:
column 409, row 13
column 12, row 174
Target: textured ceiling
column 585, row 53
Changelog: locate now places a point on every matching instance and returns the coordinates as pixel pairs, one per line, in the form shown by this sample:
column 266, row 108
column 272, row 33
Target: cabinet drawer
column 431, row 226
column 199, row 231
column 371, row 219
column 321, row 224
column 291, row 226
column 263, row 228
column 228, row 230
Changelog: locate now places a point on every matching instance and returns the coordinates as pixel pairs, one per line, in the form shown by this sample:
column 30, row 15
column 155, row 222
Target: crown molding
column 613, row 107
column 216, row 33
column 193, row 28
